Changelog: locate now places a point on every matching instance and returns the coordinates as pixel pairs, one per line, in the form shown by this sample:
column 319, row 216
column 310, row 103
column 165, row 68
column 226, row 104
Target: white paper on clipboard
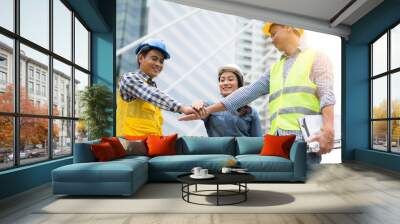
column 311, row 125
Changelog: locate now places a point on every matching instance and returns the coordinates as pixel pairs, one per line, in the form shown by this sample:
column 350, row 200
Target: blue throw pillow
column 192, row 145
column 249, row 145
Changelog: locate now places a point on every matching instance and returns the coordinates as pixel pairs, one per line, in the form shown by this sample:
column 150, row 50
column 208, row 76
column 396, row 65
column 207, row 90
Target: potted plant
column 96, row 104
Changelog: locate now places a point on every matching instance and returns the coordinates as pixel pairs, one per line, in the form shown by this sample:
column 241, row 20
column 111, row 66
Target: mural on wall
column 196, row 55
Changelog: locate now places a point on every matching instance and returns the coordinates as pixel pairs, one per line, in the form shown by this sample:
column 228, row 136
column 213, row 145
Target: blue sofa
column 125, row 176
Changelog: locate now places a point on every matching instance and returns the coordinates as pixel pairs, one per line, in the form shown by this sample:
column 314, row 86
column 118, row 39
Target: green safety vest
column 294, row 98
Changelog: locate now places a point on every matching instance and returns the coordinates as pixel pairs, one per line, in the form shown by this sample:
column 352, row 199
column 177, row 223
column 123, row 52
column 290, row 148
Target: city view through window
column 40, row 82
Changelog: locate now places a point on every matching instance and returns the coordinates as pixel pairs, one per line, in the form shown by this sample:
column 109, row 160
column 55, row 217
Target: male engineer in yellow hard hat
column 299, row 84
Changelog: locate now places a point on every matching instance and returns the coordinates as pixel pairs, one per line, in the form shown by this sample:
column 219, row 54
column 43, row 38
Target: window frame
column 16, row 114
column 388, row 74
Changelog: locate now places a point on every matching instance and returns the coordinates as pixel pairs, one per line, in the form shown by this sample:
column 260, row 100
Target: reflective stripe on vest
column 137, row 118
column 294, row 98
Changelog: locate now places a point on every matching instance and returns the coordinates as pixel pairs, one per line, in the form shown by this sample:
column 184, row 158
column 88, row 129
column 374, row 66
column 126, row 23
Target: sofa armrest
column 299, row 158
column 83, row 152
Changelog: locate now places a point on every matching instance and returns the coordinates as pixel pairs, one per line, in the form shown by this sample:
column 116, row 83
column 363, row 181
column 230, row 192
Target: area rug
column 167, row 198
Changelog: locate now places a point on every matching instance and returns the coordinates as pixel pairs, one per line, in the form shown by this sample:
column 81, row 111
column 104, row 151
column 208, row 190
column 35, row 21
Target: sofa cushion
column 257, row 163
column 134, row 147
column 112, row 171
column 83, row 152
column 131, row 158
column 249, row 145
column 185, row 163
column 161, row 145
column 196, row 145
column 103, row 152
column 277, row 145
column 116, row 145
column 131, row 137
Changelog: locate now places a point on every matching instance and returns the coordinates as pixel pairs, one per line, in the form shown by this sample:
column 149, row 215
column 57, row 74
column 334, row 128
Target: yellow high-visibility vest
column 294, row 98
column 138, row 118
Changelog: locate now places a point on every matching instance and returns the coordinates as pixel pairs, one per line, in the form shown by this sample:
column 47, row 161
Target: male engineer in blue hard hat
column 139, row 101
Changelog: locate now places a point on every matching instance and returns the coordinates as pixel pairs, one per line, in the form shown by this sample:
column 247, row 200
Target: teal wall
column 103, row 63
column 99, row 16
column 380, row 159
column 356, row 84
column 24, row 178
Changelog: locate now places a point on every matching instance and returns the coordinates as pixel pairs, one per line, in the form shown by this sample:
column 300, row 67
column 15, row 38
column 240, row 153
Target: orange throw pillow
column 103, row 152
column 277, row 145
column 116, row 145
column 161, row 145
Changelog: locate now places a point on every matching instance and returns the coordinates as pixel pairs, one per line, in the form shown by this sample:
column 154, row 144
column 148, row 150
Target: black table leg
column 245, row 193
column 188, row 190
column 182, row 190
column 217, row 194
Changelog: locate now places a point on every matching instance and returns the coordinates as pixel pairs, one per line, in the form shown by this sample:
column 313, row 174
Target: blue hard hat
column 156, row 44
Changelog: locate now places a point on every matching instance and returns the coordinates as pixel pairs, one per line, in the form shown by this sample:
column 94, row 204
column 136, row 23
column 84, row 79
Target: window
column 43, row 90
column 62, row 75
column 30, row 72
column 34, row 22
column 30, row 87
column 7, row 14
column 81, row 81
column 54, row 128
column 38, row 89
column 81, row 45
column 3, row 72
column 62, row 143
column 3, row 61
column 3, row 78
column 385, row 97
column 7, row 142
column 37, row 74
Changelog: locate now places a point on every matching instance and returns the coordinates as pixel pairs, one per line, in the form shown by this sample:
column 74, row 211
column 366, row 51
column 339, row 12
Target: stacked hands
column 196, row 112
column 325, row 138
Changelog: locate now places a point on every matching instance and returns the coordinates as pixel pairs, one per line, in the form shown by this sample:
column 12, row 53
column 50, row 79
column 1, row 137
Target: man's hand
column 189, row 117
column 210, row 109
column 198, row 105
column 201, row 113
column 201, row 109
column 325, row 139
column 188, row 110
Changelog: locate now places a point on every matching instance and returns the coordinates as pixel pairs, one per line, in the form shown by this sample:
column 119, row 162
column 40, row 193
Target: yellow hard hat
column 267, row 27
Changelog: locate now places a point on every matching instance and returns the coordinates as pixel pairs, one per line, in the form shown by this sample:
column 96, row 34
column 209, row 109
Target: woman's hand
column 198, row 105
column 189, row 110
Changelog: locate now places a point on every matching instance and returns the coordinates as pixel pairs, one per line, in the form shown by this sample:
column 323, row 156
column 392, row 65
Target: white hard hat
column 232, row 68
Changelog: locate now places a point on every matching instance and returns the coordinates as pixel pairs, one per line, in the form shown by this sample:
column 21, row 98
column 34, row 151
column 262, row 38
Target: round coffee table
column 238, row 179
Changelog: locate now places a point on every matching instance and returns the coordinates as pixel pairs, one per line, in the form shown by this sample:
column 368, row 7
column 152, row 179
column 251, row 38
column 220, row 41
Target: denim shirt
column 220, row 124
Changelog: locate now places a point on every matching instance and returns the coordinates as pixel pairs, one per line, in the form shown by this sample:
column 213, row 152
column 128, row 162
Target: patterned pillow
column 134, row 147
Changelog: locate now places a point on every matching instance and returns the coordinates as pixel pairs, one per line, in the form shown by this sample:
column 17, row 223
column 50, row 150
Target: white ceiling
column 327, row 16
